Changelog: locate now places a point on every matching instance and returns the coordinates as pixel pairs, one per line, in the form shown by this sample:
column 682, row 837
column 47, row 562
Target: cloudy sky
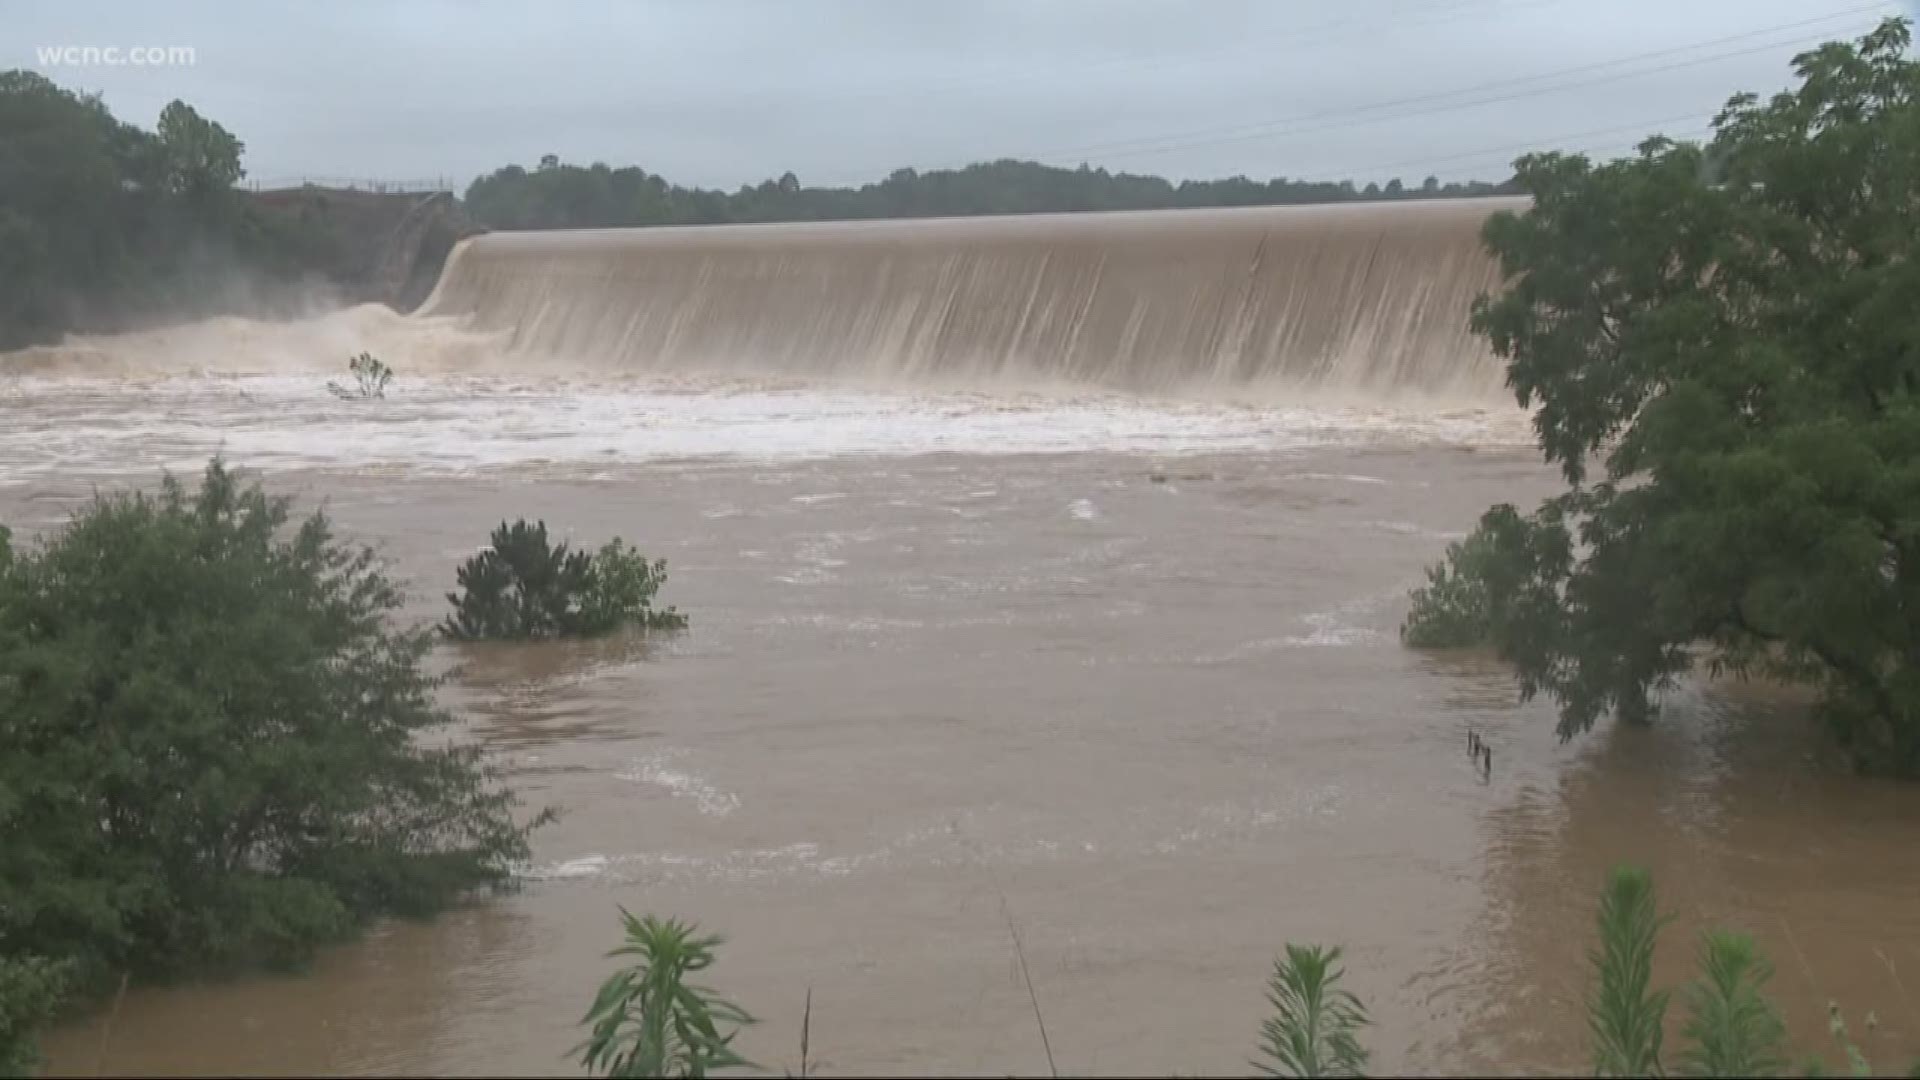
column 721, row 92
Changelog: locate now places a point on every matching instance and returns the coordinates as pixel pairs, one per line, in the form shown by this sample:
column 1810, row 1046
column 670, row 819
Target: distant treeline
column 556, row 196
column 104, row 224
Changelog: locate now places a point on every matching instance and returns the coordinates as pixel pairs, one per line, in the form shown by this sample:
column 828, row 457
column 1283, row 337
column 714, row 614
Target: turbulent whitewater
column 1360, row 301
column 1166, row 332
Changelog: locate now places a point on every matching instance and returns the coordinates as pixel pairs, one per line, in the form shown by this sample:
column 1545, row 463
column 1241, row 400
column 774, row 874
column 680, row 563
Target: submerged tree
column 1726, row 336
column 31, row 991
column 214, row 749
column 525, row 586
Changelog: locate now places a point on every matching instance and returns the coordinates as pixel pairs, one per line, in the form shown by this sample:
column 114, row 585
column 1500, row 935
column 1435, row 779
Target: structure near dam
column 1369, row 299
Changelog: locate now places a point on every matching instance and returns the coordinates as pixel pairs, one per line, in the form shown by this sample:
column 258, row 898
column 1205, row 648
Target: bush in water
column 525, row 587
column 212, row 744
column 370, row 378
column 31, row 990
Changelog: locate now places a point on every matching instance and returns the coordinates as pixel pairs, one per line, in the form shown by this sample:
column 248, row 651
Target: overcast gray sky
column 721, row 92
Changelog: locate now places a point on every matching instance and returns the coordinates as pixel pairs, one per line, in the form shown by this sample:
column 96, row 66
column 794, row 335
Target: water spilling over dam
column 1265, row 302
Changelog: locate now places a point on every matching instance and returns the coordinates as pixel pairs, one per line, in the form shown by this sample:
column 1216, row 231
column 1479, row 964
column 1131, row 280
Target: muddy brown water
column 1160, row 727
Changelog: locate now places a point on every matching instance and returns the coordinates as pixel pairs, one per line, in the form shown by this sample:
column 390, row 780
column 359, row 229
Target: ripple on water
column 658, row 769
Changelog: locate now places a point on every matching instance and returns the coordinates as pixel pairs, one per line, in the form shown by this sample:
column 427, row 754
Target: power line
column 1261, row 127
column 1434, row 13
column 1452, row 107
column 1446, row 11
column 1425, row 163
column 1490, row 154
column 1437, row 102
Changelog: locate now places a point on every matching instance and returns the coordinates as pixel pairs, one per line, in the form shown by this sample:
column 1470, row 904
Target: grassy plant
column 525, row 586
column 649, row 1021
column 370, row 378
column 1624, row 1013
column 1315, row 1026
column 1857, row 1063
column 1733, row 1029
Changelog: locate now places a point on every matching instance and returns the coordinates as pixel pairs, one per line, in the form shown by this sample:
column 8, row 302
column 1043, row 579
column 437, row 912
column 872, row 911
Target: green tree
column 65, row 164
column 31, row 989
column 525, row 586
column 214, row 750
column 1732, row 349
column 103, row 224
column 202, row 159
column 557, row 195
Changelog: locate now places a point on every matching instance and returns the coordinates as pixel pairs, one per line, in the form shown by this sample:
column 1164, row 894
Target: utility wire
column 1434, row 103
column 1437, row 104
column 1425, row 164
column 1437, row 13
column 1263, row 127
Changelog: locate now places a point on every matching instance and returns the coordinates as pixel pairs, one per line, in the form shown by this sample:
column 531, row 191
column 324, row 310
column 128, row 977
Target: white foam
column 1408, row 528
column 1337, row 478
column 657, row 769
column 586, row 866
column 124, row 416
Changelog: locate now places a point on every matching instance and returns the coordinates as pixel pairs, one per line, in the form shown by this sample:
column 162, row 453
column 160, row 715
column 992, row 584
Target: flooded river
column 1126, row 681
column 1044, row 576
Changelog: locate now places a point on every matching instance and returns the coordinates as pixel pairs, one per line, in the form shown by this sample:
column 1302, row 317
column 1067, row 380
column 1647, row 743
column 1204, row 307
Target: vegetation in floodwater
column 370, row 378
column 1465, row 597
column 1718, row 366
column 32, row 989
column 212, row 750
column 523, row 586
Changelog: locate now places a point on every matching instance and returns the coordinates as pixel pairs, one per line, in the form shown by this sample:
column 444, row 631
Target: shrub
column 1478, row 594
column 212, row 744
column 31, row 988
column 370, row 378
column 1315, row 1026
column 524, row 586
column 649, row 1021
column 1454, row 608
